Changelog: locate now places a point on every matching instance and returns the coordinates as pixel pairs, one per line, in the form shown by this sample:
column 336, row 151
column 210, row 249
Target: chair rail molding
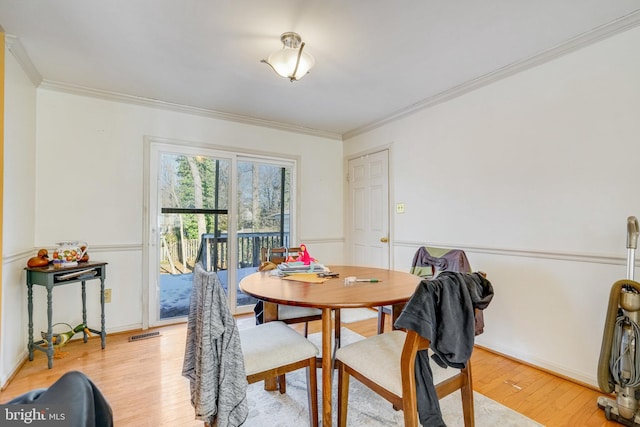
column 553, row 255
column 27, row 253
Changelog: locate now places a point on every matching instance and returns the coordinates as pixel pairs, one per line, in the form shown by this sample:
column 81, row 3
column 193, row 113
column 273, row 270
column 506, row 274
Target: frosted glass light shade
column 284, row 61
column 291, row 61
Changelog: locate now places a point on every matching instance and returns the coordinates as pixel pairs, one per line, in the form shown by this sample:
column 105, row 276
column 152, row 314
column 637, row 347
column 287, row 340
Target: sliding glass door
column 264, row 210
column 217, row 207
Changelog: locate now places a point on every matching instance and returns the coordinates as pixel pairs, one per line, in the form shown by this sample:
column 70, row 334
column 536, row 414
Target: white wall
column 19, row 211
column 534, row 176
column 89, row 186
column 98, row 147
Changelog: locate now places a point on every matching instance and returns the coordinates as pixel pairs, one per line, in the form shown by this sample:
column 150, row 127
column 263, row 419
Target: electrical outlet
column 107, row 295
column 399, row 208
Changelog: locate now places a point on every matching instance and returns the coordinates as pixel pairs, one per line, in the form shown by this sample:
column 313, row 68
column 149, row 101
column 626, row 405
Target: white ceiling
column 375, row 59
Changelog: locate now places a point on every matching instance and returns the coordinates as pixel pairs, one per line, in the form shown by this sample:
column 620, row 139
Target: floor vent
column 144, row 336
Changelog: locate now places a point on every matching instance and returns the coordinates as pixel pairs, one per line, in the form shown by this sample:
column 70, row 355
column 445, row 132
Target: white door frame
column 349, row 203
column 152, row 146
column 150, row 285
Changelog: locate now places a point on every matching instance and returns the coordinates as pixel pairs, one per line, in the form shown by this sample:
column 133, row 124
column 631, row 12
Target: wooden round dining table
column 386, row 287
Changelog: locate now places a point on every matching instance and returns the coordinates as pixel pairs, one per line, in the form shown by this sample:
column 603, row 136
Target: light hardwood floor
column 143, row 384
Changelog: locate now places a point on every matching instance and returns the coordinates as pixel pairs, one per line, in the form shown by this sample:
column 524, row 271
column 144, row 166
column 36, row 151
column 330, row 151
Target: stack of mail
column 300, row 267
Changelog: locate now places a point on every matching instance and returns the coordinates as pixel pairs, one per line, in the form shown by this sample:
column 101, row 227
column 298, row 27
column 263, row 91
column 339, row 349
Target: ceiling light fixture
column 290, row 61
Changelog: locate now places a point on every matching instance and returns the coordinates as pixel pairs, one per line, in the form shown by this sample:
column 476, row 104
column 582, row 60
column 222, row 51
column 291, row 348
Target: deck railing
column 215, row 250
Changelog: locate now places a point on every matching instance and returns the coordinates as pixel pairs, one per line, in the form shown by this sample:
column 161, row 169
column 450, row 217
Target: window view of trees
column 263, row 197
column 194, row 197
column 195, row 183
column 194, row 194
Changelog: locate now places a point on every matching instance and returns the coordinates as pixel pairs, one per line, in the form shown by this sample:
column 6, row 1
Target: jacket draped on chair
column 442, row 310
column 214, row 363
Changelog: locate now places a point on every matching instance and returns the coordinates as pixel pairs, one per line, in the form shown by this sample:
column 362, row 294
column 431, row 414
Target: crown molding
column 597, row 34
column 591, row 37
column 17, row 50
column 154, row 103
column 14, row 46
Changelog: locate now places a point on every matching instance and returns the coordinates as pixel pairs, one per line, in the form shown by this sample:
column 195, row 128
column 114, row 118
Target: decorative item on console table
column 85, row 257
column 40, row 260
column 69, row 253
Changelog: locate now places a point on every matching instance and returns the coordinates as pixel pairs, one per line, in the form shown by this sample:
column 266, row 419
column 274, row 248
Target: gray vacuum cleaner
column 619, row 364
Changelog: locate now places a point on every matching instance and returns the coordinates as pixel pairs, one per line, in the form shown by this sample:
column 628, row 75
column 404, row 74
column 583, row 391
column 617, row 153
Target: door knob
column 384, row 239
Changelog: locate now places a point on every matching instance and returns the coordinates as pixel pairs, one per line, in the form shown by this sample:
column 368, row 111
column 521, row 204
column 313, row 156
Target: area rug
column 366, row 408
column 350, row 315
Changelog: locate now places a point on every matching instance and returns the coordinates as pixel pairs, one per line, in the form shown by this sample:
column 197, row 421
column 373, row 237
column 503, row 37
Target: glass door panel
column 193, row 192
column 229, row 205
column 264, row 196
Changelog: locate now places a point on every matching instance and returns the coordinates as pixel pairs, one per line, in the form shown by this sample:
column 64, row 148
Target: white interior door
column 368, row 210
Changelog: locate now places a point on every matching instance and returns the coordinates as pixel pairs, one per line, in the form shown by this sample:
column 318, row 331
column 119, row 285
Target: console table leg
column 30, row 311
column 103, row 331
column 49, row 327
column 84, row 310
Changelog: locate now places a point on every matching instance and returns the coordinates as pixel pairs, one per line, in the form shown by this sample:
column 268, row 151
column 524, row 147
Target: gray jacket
column 213, row 360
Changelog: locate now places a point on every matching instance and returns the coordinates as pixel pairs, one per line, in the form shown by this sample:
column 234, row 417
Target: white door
column 368, row 210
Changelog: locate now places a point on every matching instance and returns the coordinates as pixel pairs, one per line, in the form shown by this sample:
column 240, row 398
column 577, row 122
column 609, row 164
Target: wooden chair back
column 461, row 381
column 407, row 402
column 278, row 255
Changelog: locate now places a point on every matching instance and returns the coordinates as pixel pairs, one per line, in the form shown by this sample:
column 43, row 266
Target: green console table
column 50, row 277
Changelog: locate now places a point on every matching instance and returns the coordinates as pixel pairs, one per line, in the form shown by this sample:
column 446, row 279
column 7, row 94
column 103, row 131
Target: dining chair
column 218, row 354
column 391, row 374
column 271, row 350
column 406, row 362
column 427, row 263
column 278, row 255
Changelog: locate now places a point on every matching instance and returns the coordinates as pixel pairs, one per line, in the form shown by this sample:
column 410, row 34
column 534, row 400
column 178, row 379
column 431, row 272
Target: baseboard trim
column 12, row 375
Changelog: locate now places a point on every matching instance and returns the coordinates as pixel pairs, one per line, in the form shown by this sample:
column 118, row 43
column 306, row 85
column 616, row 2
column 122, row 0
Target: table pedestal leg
column 327, row 367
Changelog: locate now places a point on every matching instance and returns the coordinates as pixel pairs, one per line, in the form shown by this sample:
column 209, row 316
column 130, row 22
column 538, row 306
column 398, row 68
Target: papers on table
column 287, row 268
column 305, row 277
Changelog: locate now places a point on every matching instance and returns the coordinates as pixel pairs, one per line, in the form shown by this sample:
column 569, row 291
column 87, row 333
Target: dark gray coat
column 442, row 311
